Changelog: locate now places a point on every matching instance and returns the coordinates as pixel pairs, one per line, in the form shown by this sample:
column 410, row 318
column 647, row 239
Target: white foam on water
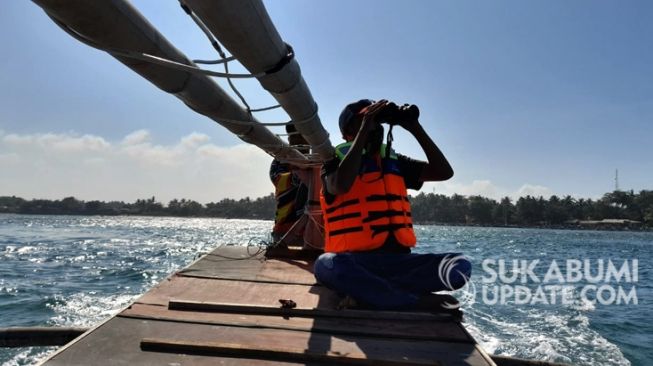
column 27, row 250
column 87, row 309
column 555, row 335
column 489, row 342
column 79, row 258
column 119, row 241
column 583, row 305
column 7, row 289
column 29, row 356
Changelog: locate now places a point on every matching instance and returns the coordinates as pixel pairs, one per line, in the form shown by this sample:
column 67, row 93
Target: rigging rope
column 149, row 58
column 214, row 62
column 194, row 69
column 266, row 108
column 188, row 68
column 223, row 56
column 216, row 46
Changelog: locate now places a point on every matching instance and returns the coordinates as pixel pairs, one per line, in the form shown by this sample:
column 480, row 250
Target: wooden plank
column 189, row 305
column 231, row 265
column 117, row 342
column 197, row 291
column 231, row 252
column 287, row 353
column 236, row 264
column 389, row 328
column 228, row 291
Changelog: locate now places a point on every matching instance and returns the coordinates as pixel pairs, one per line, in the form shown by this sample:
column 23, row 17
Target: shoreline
column 606, row 227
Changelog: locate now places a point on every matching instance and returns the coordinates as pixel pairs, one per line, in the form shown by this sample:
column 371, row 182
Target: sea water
column 80, row 270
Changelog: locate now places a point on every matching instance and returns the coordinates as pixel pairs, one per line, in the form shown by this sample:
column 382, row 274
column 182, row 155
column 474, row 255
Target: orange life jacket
column 375, row 206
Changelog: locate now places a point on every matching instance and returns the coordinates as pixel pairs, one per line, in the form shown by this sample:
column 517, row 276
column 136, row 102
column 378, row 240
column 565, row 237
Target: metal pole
column 116, row 24
column 246, row 30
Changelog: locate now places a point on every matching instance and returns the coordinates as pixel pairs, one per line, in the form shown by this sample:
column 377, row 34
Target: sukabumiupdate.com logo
column 447, row 269
column 554, row 282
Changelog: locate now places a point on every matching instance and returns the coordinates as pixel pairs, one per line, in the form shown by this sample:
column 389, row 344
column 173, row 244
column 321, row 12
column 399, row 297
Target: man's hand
column 340, row 181
column 370, row 115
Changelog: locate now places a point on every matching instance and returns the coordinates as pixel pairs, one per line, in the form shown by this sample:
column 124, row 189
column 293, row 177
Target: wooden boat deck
column 224, row 309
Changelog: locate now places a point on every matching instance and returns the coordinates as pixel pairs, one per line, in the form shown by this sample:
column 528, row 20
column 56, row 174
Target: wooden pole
column 38, row 336
column 291, row 354
column 188, row 305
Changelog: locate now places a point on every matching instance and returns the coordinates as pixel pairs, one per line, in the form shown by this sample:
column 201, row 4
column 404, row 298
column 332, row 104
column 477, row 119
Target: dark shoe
column 438, row 304
column 348, row 302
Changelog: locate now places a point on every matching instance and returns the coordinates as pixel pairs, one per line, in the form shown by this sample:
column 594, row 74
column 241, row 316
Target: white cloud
column 50, row 165
column 137, row 137
column 56, row 142
column 10, row 158
column 194, row 139
column 486, row 188
column 534, row 190
column 477, row 187
column 89, row 167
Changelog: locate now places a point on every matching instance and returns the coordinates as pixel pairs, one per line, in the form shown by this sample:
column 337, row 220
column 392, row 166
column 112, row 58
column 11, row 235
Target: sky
column 523, row 97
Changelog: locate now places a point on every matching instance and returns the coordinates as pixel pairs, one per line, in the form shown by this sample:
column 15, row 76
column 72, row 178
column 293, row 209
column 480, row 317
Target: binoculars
column 393, row 114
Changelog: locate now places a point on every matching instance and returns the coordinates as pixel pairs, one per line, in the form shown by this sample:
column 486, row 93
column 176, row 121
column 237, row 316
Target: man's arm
column 343, row 178
column 438, row 167
column 304, row 175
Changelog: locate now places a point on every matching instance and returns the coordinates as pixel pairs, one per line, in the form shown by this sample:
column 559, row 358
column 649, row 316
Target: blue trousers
column 391, row 280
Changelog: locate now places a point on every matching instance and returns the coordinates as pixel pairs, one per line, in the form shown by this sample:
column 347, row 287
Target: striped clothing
column 291, row 195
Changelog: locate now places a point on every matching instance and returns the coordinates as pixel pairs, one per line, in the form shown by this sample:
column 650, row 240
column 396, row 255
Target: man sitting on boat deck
column 367, row 219
column 291, row 195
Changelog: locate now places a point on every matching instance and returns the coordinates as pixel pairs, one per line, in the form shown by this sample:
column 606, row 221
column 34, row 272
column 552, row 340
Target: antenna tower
column 616, row 179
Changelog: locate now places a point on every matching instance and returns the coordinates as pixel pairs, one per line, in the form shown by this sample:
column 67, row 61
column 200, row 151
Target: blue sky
column 523, row 97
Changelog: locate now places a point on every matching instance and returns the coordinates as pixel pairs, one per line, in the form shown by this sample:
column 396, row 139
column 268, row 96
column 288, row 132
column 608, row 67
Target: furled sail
column 117, row 27
column 245, row 29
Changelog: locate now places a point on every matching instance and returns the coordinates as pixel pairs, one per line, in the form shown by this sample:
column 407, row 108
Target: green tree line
column 426, row 208
column 246, row 208
column 533, row 211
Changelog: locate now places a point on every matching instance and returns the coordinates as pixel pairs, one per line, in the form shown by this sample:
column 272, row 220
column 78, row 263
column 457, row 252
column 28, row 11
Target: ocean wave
column 78, row 271
column 554, row 335
column 86, row 309
column 25, row 356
